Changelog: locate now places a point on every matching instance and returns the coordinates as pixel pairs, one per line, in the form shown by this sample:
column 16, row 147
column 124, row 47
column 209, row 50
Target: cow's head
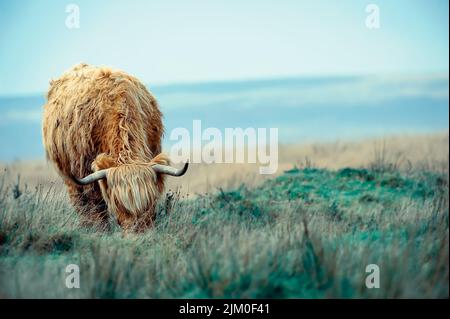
column 132, row 190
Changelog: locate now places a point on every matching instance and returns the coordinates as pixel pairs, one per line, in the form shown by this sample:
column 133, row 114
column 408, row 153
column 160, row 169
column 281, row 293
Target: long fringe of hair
column 132, row 190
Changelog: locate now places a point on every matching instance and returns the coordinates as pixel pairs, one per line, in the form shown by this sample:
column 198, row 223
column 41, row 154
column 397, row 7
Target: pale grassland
column 405, row 152
column 308, row 232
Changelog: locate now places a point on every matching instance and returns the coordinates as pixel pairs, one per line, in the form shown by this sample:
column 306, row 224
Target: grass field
column 308, row 232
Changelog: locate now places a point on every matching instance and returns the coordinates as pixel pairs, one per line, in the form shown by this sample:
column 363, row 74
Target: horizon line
column 261, row 79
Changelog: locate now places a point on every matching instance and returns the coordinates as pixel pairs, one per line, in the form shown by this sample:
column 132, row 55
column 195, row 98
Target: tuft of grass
column 308, row 233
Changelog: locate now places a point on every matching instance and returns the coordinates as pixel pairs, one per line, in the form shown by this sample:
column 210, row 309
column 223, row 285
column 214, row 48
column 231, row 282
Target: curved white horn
column 101, row 174
column 169, row 170
column 162, row 169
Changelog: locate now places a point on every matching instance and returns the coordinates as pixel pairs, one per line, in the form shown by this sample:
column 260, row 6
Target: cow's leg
column 90, row 205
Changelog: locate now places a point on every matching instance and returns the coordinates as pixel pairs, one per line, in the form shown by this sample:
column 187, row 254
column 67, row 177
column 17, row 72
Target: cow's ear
column 161, row 159
column 103, row 161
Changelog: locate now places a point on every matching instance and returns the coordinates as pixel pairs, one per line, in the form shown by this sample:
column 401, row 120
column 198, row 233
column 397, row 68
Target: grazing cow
column 102, row 130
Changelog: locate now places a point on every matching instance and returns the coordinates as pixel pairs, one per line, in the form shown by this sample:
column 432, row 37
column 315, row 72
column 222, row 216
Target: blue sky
column 187, row 41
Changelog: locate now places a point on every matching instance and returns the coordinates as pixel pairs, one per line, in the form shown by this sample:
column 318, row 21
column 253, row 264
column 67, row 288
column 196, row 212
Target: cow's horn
column 92, row 177
column 162, row 169
column 169, row 170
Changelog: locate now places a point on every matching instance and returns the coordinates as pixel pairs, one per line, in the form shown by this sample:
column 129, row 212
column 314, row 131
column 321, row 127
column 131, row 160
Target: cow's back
column 93, row 110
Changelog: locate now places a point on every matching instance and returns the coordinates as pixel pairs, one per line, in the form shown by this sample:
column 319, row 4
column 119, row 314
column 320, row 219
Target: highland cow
column 102, row 129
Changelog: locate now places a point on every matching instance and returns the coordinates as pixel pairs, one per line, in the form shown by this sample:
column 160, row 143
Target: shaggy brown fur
column 98, row 118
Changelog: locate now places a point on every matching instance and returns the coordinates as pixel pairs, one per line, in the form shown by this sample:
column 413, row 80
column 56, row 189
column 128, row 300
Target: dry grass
column 309, row 232
column 406, row 152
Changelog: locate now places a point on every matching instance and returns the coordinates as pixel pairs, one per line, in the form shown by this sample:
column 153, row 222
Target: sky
column 170, row 41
